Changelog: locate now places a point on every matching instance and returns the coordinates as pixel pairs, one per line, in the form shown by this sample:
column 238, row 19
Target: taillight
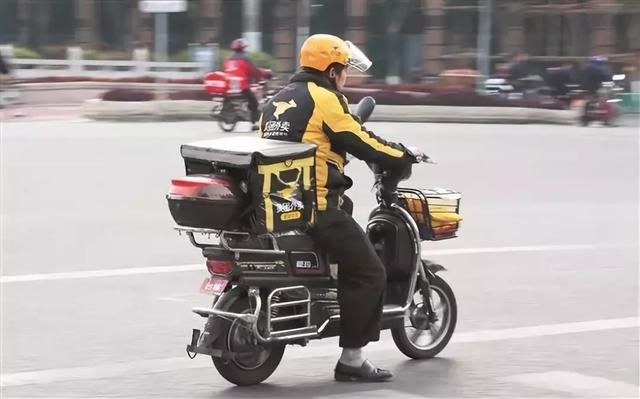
column 200, row 186
column 219, row 266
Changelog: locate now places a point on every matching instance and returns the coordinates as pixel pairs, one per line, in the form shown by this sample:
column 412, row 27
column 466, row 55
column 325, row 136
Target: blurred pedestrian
column 559, row 79
column 5, row 80
column 4, row 67
column 519, row 69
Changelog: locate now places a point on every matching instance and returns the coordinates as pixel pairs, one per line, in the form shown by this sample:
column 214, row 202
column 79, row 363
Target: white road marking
column 376, row 393
column 183, row 268
column 98, row 372
column 535, row 248
column 101, row 273
column 176, row 298
column 580, row 384
column 180, row 363
column 545, row 330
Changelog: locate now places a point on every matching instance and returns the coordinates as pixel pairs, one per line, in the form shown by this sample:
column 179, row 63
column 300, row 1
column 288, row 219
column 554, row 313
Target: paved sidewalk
column 32, row 113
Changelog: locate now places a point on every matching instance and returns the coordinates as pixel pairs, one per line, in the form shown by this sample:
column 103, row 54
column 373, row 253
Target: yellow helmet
column 319, row 51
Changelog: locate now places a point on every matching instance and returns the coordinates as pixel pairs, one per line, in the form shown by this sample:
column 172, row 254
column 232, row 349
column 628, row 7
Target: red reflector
column 219, row 266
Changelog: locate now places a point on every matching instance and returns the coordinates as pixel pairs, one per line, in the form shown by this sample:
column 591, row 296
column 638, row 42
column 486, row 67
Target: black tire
column 612, row 120
column 233, row 370
column 401, row 333
column 227, row 126
column 228, row 116
column 584, row 121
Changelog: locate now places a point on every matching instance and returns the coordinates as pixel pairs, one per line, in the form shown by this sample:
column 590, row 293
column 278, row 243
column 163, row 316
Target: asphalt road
column 545, row 269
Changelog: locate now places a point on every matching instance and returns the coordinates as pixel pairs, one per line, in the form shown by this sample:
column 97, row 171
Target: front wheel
column 228, row 116
column 251, row 362
column 611, row 119
column 419, row 338
column 227, row 126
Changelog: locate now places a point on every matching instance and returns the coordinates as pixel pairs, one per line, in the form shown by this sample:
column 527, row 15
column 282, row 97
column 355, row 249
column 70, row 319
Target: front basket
column 435, row 211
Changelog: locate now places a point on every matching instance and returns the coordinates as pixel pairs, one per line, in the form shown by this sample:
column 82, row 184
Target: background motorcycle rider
column 240, row 65
column 594, row 72
column 312, row 109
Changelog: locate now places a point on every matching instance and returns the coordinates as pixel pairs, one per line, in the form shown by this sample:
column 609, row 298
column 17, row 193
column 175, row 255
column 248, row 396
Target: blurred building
column 405, row 38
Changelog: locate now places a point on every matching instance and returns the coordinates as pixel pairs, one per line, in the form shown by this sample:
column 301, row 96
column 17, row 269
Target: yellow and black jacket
column 310, row 110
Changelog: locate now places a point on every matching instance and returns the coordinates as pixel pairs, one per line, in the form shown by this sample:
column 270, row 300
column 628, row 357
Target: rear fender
column 215, row 324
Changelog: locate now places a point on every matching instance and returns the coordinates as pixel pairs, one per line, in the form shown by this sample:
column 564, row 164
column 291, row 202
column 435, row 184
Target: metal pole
column 483, row 52
column 303, row 17
column 161, row 39
column 251, row 24
column 162, row 23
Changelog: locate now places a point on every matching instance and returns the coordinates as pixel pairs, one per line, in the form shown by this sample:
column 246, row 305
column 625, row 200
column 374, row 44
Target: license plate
column 214, row 285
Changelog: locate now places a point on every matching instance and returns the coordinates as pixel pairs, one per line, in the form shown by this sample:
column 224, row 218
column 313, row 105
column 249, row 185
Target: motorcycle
column 529, row 86
column 273, row 290
column 229, row 104
column 604, row 106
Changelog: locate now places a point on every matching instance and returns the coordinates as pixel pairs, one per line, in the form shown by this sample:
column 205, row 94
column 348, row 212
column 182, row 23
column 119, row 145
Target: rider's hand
column 418, row 154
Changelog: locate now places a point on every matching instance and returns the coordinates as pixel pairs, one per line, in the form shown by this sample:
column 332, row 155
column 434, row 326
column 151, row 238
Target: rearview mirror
column 364, row 109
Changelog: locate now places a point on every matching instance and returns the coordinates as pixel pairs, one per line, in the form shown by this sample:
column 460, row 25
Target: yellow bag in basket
column 442, row 215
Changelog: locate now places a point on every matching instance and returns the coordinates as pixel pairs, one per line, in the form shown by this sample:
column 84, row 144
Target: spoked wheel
column 419, row 337
column 252, row 362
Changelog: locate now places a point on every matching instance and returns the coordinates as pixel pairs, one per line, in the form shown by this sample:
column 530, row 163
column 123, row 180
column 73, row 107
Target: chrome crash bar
column 308, row 331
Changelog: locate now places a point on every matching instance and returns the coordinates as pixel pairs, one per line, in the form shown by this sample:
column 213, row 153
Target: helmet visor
column 357, row 58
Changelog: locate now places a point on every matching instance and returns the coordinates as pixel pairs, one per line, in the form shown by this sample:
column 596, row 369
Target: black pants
column 361, row 276
column 253, row 104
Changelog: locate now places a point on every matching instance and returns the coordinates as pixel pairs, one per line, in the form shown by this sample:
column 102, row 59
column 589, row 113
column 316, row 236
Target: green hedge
column 23, row 52
column 630, row 102
column 90, row 54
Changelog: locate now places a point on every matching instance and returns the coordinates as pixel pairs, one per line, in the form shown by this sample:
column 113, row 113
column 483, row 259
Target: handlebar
column 425, row 159
column 386, row 182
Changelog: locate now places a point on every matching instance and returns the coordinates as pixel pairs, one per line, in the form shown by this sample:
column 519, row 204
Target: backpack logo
column 282, row 107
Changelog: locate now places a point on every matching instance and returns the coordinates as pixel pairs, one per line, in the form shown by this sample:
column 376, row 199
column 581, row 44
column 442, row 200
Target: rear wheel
column 252, row 362
column 419, row 338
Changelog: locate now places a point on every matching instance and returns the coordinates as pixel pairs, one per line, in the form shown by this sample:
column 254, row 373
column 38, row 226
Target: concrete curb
column 165, row 110
column 450, row 114
column 77, row 92
column 199, row 110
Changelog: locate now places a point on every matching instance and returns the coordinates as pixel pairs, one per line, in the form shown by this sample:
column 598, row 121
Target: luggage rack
column 223, row 235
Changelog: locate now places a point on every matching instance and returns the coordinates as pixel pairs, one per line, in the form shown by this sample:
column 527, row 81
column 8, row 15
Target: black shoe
column 365, row 373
